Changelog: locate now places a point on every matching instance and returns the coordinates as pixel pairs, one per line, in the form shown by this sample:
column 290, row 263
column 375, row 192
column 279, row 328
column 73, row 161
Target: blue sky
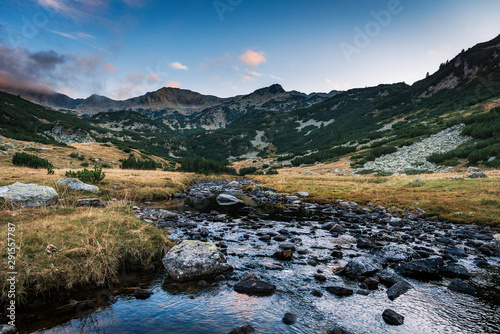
column 124, row 48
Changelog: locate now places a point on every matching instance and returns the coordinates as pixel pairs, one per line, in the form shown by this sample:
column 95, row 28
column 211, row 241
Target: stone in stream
column 225, row 199
column 77, row 185
column 455, row 270
column 284, row 255
column 371, row 283
column 392, row 318
column 458, row 285
column 388, row 277
column 340, row 291
column 246, row 329
column 398, row 288
column 194, row 260
column 397, row 253
column 28, row 195
column 289, row 318
column 365, row 244
column 317, row 293
column 142, row 293
column 337, row 330
column 363, row 266
column 425, row 269
column 254, row 287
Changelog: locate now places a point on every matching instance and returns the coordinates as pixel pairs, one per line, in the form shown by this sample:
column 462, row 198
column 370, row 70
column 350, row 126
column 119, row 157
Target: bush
column 272, row 172
column 132, row 163
column 247, row 170
column 380, row 151
column 84, row 164
column 30, row 160
column 126, row 149
column 88, row 176
column 196, row 165
column 77, row 156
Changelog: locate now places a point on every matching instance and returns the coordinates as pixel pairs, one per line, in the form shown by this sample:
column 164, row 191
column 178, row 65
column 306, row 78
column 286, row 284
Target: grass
column 93, row 245
column 477, row 199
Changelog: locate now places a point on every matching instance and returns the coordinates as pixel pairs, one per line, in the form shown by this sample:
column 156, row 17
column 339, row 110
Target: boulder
column 78, row 185
column 422, row 269
column 225, row 199
column 28, row 195
column 340, row 291
column 289, row 318
column 284, row 255
column 362, row 266
column 478, row 175
column 302, row 194
column 455, row 270
column 194, row 260
column 398, row 253
column 458, row 285
column 337, row 330
column 391, row 317
column 254, row 287
column 398, row 288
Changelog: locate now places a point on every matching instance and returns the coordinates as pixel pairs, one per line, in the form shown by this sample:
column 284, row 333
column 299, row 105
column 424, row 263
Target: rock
column 365, row 244
column 285, row 254
column 246, row 329
column 371, row 283
column 458, row 285
column 362, row 266
column 422, row 269
column 337, row 330
column 340, row 291
column 78, row 185
column 289, row 319
column 455, row 270
column 204, row 232
column 179, row 195
column 7, row 329
column 225, row 199
column 398, row 288
column 142, row 293
column 51, row 249
column 455, row 252
column 93, row 202
column 478, row 175
column 28, row 195
column 317, row 293
column 416, row 181
column 336, row 254
column 302, row 194
column 194, row 260
column 388, row 277
column 320, row 278
column 254, row 287
column 233, row 184
column 309, row 172
column 397, row 253
column 472, row 170
column 392, row 318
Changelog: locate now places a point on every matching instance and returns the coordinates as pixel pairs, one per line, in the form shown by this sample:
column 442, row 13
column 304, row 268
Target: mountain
column 308, row 128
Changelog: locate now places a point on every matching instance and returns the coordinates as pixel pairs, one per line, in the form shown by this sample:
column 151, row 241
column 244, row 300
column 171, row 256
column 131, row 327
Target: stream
column 324, row 239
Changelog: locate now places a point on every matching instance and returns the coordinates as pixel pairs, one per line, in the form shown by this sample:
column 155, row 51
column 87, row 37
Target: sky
column 125, row 48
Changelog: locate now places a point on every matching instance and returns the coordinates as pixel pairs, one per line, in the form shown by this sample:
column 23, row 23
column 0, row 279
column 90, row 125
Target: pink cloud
column 173, row 84
column 253, row 58
column 109, row 68
column 178, row 66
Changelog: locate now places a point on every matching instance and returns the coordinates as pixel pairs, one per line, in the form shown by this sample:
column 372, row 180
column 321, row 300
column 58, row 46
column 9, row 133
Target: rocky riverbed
column 290, row 266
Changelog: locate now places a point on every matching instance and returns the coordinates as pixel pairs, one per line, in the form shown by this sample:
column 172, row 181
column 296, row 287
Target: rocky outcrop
column 28, row 195
column 78, row 185
column 194, row 260
column 69, row 136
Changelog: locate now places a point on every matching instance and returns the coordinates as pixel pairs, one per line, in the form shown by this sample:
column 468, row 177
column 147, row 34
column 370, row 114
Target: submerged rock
column 398, row 289
column 28, row 195
column 458, row 285
column 246, row 329
column 423, row 269
column 194, row 260
column 289, row 319
column 225, row 199
column 362, row 266
column 340, row 291
column 254, row 287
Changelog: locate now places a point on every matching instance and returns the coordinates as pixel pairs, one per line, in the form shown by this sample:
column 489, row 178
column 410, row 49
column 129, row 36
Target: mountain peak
column 269, row 91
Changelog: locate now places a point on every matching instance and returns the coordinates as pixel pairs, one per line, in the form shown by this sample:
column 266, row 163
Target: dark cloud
column 47, row 59
column 48, row 71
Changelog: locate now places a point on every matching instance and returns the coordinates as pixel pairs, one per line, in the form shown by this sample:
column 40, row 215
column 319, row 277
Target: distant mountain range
column 179, row 123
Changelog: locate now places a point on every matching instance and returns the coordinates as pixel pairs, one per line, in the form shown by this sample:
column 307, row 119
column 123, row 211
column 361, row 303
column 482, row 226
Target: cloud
column 47, row 71
column 253, row 58
column 135, row 84
column 257, row 74
column 173, row 84
column 109, row 68
column 178, row 66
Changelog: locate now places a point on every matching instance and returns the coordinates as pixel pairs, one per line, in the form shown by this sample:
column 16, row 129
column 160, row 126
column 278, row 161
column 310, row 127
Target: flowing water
column 216, row 308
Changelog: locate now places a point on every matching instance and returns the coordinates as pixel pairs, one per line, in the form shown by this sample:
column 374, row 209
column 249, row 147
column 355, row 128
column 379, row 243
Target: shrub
column 272, row 172
column 84, row 164
column 132, row 163
column 382, row 150
column 30, row 160
column 196, row 165
column 88, row 176
column 247, row 170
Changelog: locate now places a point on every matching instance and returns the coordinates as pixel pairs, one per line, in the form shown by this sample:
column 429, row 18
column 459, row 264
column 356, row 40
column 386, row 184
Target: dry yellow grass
column 477, row 199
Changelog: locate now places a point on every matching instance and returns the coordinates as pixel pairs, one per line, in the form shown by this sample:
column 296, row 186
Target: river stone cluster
column 414, row 156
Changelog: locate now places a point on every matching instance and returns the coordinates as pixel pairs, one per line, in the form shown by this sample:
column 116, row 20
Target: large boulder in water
column 78, row 185
column 226, row 199
column 363, row 266
column 194, row 260
column 425, row 269
column 398, row 253
column 28, row 195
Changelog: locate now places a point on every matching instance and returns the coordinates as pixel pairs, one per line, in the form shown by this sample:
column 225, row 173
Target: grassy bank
column 463, row 201
column 93, row 244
